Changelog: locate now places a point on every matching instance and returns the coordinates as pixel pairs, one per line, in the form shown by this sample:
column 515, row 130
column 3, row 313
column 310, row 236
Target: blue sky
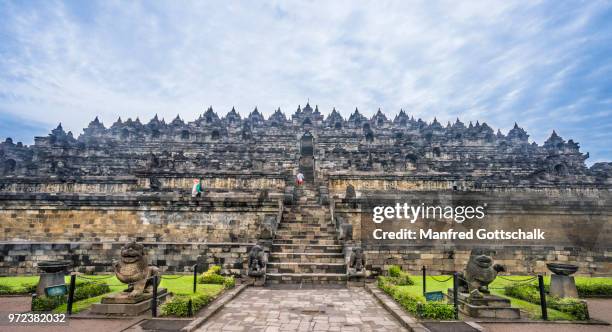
column 544, row 64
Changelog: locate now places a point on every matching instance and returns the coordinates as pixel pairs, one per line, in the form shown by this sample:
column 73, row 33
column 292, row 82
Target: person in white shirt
column 300, row 179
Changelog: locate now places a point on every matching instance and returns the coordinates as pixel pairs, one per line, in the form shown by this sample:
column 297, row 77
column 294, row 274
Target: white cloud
column 494, row 61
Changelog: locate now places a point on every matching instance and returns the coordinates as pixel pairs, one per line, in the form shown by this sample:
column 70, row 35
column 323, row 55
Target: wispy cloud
column 544, row 64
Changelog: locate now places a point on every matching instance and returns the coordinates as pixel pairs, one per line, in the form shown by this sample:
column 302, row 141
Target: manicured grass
column 18, row 285
column 533, row 310
column 178, row 286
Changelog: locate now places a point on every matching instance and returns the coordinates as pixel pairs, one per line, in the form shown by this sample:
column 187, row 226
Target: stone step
column 306, row 248
column 305, row 278
column 313, row 206
column 306, row 257
column 304, row 239
column 296, row 234
column 294, row 267
column 307, row 227
column 308, row 221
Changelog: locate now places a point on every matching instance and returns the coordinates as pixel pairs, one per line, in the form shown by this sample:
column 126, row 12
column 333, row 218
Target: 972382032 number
column 33, row 318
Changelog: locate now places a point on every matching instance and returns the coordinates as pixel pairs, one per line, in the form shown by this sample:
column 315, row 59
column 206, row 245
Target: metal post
column 32, row 302
column 71, row 294
column 195, row 277
column 542, row 297
column 455, row 295
column 154, row 298
column 424, row 281
column 189, row 308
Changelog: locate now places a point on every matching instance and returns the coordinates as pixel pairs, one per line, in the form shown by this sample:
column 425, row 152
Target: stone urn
column 562, row 283
column 53, row 273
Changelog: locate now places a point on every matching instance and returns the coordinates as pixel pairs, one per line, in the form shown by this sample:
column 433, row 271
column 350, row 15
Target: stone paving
column 343, row 309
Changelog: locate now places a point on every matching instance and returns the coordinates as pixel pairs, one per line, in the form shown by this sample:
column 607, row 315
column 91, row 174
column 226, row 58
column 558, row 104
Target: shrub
column 436, row 310
column 47, row 303
column 4, row 289
column 29, row 288
column 594, row 289
column 26, row 288
column 530, row 293
column 81, row 292
column 212, row 276
column 87, row 290
column 211, row 279
column 395, row 271
column 413, row 304
column 215, row 269
column 229, row 282
column 399, row 277
column 179, row 305
column 572, row 306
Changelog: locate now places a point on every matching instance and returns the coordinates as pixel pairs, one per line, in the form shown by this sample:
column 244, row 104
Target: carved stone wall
column 18, row 258
column 145, row 218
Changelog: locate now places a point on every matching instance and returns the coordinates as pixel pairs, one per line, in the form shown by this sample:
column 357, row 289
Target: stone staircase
column 305, row 249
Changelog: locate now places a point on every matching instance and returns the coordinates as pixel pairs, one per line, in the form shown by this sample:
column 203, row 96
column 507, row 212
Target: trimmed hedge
column 47, row 303
column 82, row 291
column 530, row 293
column 413, row 304
column 26, row 288
column 88, row 290
column 399, row 277
column 212, row 276
column 179, row 305
column 586, row 289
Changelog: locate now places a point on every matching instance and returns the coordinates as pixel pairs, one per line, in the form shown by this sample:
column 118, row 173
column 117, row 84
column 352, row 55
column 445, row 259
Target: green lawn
column 533, row 310
column 182, row 286
column 18, row 285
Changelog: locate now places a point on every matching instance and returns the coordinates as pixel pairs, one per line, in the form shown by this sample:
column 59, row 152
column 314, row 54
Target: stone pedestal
column 48, row 280
column 258, row 281
column 489, row 306
column 563, row 286
column 122, row 304
column 355, row 279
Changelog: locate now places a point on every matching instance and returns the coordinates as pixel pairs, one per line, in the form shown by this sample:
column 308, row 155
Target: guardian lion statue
column 133, row 269
column 356, row 263
column 479, row 273
column 257, row 261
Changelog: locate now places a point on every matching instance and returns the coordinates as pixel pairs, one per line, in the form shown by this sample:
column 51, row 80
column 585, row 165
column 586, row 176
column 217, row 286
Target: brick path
column 260, row 309
column 598, row 308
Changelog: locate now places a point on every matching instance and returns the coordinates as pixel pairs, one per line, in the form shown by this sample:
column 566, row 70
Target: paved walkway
column 22, row 304
column 598, row 308
column 260, row 309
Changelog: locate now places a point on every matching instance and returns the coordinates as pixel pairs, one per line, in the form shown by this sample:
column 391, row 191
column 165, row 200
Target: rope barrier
column 447, row 279
column 508, row 279
column 101, row 278
column 168, row 278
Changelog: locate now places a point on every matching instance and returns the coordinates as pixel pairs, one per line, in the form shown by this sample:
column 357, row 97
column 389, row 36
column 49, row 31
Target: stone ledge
column 213, row 308
column 395, row 310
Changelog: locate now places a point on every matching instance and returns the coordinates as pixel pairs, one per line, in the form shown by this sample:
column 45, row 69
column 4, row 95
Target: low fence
column 155, row 280
column 529, row 280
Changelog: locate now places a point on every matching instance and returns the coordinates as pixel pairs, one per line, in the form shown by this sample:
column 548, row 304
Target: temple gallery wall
column 80, row 199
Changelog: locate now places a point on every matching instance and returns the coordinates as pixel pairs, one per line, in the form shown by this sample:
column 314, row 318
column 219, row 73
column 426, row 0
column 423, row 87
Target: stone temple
column 80, row 198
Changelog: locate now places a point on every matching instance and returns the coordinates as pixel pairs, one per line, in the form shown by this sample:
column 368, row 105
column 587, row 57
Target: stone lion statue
column 257, row 261
column 133, row 269
column 357, row 261
column 479, row 273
